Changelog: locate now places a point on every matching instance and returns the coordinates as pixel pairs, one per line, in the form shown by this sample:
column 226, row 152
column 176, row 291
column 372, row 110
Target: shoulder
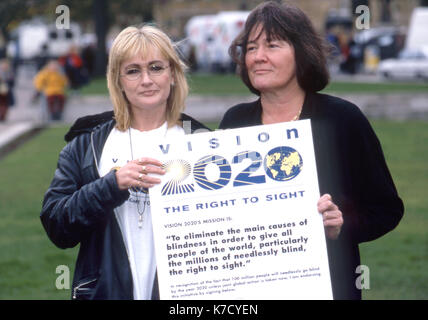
column 194, row 124
column 241, row 115
column 41, row 73
column 342, row 118
column 338, row 109
column 237, row 110
column 335, row 104
column 84, row 141
column 87, row 124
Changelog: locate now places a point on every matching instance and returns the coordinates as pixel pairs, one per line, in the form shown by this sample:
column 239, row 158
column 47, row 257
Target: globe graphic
column 283, row 163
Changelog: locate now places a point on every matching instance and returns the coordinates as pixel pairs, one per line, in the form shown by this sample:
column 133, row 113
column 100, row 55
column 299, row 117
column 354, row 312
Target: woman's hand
column 331, row 215
column 134, row 173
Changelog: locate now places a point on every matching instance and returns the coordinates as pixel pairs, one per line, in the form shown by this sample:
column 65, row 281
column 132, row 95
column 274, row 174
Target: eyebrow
column 134, row 65
column 265, row 40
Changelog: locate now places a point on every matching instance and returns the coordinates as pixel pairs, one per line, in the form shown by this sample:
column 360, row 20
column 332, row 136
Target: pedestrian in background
column 52, row 83
column 74, row 68
column 6, row 87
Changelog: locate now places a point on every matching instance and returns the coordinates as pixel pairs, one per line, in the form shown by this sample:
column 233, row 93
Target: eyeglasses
column 153, row 69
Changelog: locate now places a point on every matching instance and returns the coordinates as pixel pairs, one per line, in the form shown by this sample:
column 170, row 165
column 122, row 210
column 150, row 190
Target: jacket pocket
column 84, row 289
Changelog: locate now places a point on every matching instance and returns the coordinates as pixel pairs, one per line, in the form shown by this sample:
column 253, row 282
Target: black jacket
column 352, row 169
column 78, row 208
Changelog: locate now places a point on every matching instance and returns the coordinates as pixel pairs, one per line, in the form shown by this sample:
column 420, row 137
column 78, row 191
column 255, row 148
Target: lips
column 261, row 71
column 148, row 93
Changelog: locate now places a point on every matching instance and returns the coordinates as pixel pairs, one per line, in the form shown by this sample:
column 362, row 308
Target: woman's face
column 271, row 64
column 146, row 81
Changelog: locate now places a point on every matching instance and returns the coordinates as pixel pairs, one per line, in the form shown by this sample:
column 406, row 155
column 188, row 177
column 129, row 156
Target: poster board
column 235, row 216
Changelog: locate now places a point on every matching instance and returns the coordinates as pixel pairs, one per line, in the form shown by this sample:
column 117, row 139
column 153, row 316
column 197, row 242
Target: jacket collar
column 99, row 127
column 98, row 137
column 307, row 109
column 89, row 123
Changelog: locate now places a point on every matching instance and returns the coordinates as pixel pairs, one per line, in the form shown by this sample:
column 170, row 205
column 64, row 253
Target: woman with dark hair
column 282, row 59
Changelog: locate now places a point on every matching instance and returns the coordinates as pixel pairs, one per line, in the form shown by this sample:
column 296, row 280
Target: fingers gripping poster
column 235, row 216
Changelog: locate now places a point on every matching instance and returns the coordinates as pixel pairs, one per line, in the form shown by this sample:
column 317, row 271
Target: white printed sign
column 235, row 216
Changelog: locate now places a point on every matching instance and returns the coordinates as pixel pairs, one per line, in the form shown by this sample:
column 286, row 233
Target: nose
column 260, row 54
column 145, row 78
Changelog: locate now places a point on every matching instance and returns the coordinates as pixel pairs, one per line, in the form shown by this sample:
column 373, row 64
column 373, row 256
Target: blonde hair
column 140, row 40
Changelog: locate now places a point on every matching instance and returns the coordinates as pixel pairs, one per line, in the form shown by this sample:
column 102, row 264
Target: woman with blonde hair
column 99, row 194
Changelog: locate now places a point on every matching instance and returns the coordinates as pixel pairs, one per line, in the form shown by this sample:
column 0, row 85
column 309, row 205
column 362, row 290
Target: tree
column 102, row 13
column 101, row 20
column 14, row 11
column 385, row 15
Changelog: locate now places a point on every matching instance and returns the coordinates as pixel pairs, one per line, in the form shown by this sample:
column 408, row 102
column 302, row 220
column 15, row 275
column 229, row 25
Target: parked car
column 377, row 44
column 409, row 64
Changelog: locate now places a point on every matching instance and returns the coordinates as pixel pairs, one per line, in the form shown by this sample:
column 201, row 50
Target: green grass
column 398, row 262
column 382, row 87
column 229, row 84
column 28, row 260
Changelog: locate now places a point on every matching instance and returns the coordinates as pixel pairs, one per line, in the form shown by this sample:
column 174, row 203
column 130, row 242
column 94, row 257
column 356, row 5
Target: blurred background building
column 173, row 14
column 204, row 29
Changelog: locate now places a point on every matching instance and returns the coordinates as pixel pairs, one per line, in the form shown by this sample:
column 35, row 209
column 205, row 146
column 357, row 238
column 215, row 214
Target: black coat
column 352, row 169
column 78, row 209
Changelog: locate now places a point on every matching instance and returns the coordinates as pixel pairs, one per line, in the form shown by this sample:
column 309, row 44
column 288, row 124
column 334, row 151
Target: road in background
column 26, row 115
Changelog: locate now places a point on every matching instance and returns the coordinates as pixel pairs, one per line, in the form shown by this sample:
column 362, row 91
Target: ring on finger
column 140, row 176
column 143, row 169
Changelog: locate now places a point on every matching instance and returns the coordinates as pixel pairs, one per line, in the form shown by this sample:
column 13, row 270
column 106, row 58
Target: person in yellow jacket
column 52, row 83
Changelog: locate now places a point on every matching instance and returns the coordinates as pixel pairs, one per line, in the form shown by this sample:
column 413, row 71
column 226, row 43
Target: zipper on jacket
column 80, row 287
column 93, row 152
column 114, row 210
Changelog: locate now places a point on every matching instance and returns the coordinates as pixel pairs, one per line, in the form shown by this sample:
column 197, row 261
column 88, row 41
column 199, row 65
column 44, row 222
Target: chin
column 150, row 105
column 261, row 88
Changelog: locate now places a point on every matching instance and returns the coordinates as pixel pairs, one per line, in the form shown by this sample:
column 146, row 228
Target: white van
column 199, row 33
column 228, row 25
column 211, row 36
column 29, row 38
column 417, row 37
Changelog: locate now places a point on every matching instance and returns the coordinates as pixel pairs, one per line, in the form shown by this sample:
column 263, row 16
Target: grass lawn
column 229, row 84
column 28, row 260
column 398, row 262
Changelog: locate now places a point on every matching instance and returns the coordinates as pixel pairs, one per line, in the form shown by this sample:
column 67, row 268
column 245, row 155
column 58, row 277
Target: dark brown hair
column 288, row 23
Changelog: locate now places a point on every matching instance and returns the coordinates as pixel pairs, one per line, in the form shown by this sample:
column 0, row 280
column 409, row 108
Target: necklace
column 297, row 116
column 144, row 190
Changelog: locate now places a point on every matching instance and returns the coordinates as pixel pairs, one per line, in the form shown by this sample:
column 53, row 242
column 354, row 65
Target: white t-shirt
column 138, row 240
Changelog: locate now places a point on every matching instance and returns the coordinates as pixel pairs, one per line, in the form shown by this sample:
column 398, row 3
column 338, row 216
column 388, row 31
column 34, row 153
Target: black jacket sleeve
column 72, row 209
column 379, row 207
